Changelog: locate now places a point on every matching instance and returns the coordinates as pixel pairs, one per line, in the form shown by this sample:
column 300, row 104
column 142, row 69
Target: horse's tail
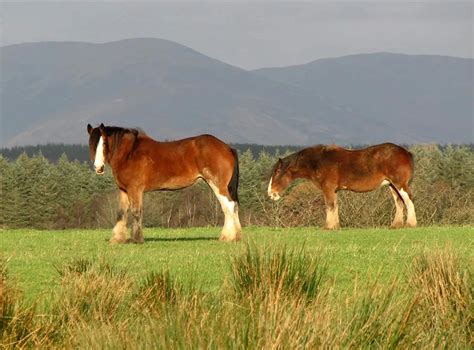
column 411, row 157
column 234, row 180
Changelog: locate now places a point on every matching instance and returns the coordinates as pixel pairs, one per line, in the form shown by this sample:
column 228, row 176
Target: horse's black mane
column 112, row 130
column 291, row 159
column 287, row 161
column 300, row 157
column 117, row 133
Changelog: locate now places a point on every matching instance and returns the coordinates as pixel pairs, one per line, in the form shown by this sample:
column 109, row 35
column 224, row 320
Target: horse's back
column 214, row 152
column 191, row 146
column 393, row 156
column 210, row 141
column 388, row 161
column 337, row 154
column 373, row 155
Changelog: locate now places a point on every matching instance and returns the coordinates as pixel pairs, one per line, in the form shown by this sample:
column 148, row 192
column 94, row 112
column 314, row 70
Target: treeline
column 39, row 193
column 53, row 151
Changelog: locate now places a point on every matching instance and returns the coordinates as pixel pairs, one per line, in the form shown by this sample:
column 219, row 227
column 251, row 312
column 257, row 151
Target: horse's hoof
column 395, row 226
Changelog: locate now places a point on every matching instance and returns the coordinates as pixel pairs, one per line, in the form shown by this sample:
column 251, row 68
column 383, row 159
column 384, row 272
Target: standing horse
column 140, row 164
column 332, row 168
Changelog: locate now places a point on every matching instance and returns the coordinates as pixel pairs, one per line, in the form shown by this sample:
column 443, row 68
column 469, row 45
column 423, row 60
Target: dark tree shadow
column 180, row 239
column 173, row 239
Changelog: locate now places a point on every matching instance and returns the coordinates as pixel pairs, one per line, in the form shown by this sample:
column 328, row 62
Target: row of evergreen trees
column 68, row 194
column 38, row 193
column 53, row 151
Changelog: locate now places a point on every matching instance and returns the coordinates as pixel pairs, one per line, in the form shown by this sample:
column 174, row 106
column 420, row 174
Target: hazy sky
column 253, row 34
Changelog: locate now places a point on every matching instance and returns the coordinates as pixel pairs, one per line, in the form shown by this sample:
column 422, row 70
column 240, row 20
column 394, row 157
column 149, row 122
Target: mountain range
column 51, row 90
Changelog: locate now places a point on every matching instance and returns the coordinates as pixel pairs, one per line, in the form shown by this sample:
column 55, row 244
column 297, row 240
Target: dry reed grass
column 275, row 298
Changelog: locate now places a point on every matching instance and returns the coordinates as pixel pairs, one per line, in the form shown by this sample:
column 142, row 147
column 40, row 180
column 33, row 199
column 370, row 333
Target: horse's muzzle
column 100, row 170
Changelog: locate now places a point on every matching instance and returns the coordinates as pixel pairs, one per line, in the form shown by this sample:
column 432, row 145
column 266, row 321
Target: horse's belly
column 173, row 183
column 364, row 185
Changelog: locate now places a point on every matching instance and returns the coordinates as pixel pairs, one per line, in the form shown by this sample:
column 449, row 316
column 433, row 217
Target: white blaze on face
column 273, row 195
column 99, row 155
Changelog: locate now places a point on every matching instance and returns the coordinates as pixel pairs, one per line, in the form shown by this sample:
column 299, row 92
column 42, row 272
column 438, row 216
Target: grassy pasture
column 279, row 288
column 351, row 254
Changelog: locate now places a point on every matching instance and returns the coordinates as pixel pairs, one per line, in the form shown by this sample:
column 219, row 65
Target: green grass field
column 34, row 255
column 279, row 288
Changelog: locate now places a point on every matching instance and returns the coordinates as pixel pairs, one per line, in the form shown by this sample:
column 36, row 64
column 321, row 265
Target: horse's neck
column 122, row 151
column 307, row 165
column 303, row 173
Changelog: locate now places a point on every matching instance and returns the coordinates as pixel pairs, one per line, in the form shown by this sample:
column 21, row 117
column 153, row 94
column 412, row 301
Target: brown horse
column 332, row 168
column 140, row 164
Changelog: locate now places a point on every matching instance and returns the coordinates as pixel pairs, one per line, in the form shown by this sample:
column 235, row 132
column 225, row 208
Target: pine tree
column 247, row 178
column 456, row 166
column 43, row 193
column 6, row 192
column 21, row 195
column 63, row 176
column 427, row 159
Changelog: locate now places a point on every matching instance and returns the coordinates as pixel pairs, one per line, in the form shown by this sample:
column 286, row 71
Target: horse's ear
column 89, row 128
column 102, row 129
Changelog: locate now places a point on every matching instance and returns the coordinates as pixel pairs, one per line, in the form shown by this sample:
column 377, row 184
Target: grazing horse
column 140, row 164
column 332, row 168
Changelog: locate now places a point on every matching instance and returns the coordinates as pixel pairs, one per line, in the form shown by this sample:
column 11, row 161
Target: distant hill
column 424, row 98
column 51, row 90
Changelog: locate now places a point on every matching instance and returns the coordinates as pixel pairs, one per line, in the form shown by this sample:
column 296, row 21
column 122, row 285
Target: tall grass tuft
column 18, row 323
column 446, row 297
column 378, row 316
column 276, row 271
column 81, row 266
column 76, row 266
column 91, row 291
column 156, row 289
